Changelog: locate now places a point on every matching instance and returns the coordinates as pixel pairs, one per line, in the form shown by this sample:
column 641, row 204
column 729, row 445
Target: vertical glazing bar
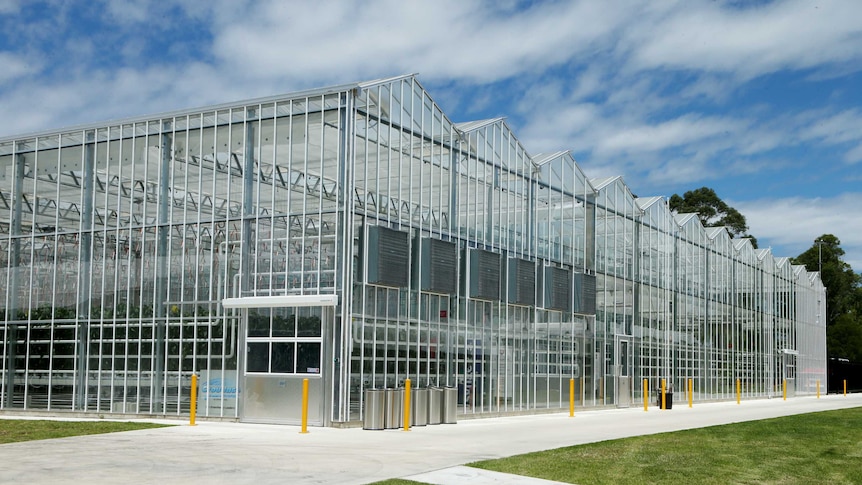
column 13, row 290
column 85, row 272
column 344, row 234
column 253, row 178
column 173, row 314
column 160, row 355
column 215, row 313
column 54, row 284
column 248, row 245
column 315, row 256
column 103, row 290
column 123, row 251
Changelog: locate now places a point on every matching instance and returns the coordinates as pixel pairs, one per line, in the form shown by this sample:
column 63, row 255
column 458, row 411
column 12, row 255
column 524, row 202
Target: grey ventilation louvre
column 556, row 288
column 585, row 294
column 438, row 266
column 388, row 253
column 484, row 274
column 521, row 276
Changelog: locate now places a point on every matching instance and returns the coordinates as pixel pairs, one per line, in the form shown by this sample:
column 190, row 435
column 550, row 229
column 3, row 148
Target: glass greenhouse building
column 356, row 237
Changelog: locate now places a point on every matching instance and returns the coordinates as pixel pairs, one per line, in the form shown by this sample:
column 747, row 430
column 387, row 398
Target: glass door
column 623, row 371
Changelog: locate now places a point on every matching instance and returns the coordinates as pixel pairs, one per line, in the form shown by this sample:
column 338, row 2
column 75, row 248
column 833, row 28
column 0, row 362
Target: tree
column 712, row 211
column 843, row 294
column 844, row 338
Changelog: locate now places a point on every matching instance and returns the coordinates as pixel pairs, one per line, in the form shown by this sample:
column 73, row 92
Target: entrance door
column 284, row 345
column 788, row 371
column 623, row 371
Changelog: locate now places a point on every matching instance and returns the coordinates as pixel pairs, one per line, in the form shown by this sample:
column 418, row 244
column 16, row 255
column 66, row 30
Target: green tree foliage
column 712, row 211
column 843, row 296
column 844, row 338
column 842, row 283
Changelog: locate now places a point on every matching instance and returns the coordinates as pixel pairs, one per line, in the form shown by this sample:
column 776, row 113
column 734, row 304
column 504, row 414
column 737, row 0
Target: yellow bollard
column 818, row 388
column 406, row 404
column 738, row 391
column 571, row 398
column 646, row 395
column 690, row 390
column 845, row 387
column 784, row 389
column 304, row 406
column 663, row 404
column 194, row 400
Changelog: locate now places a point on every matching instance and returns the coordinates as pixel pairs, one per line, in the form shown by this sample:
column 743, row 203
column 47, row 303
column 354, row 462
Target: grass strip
column 15, row 430
column 824, row 447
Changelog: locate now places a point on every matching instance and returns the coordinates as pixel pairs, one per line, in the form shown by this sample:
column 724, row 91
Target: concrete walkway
column 234, row 453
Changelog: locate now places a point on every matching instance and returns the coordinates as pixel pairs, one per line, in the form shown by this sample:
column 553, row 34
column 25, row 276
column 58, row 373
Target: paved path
column 236, row 453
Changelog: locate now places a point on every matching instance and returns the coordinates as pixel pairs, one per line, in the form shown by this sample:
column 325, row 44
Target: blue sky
column 761, row 101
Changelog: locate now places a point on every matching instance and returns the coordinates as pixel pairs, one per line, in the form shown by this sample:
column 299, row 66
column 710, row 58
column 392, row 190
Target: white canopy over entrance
column 280, row 301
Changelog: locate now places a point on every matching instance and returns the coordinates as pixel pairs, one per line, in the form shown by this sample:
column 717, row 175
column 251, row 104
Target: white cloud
column 651, row 137
column 752, row 40
column 571, row 75
column 854, row 155
column 453, row 39
column 845, row 126
column 793, row 223
column 678, row 171
column 9, row 6
column 15, row 66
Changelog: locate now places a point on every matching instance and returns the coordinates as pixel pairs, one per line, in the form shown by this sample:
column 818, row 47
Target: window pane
column 257, row 358
column 282, row 357
column 283, row 325
column 309, row 326
column 258, row 324
column 308, row 358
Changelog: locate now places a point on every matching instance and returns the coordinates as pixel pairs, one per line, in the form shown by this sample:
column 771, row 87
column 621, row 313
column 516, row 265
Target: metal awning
column 280, row 301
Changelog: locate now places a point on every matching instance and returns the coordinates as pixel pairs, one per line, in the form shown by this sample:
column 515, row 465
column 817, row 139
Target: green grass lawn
column 808, row 448
column 12, row 430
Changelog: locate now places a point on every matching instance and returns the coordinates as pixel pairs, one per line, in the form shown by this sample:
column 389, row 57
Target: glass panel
column 283, row 326
column 258, row 324
column 282, row 357
column 309, row 326
column 624, row 359
column 257, row 358
column 308, row 358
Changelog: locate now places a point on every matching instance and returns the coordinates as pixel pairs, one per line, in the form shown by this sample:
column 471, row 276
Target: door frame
column 624, row 370
column 327, row 303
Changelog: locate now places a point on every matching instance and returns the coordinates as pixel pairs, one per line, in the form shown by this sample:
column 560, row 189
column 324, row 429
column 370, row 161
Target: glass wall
column 457, row 258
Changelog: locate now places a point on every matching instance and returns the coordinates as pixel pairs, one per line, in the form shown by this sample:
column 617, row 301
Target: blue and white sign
column 219, row 390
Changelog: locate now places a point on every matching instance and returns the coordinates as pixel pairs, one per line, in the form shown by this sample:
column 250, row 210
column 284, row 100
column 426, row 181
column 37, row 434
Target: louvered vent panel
column 388, row 257
column 439, row 272
column 585, row 294
column 484, row 274
column 522, row 281
column 557, row 288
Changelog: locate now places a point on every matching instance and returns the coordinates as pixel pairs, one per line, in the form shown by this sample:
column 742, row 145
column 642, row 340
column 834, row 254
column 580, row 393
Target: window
column 284, row 341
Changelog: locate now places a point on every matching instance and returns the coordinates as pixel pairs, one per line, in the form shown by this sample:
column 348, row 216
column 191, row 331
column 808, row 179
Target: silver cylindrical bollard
column 435, row 405
column 450, row 405
column 394, row 402
column 419, row 407
column 375, row 407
